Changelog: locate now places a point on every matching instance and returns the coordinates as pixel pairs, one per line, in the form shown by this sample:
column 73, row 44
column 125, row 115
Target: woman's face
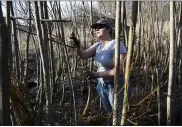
column 102, row 31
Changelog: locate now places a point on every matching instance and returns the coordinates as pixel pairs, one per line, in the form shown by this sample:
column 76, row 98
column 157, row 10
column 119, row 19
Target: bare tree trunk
column 43, row 46
column 157, row 64
column 171, row 65
column 139, row 53
column 1, row 14
column 69, row 69
column 27, row 47
column 91, row 22
column 16, row 46
column 129, row 60
column 91, row 65
column 88, row 98
column 8, row 22
column 52, row 70
column 4, row 72
column 4, row 78
column 117, row 62
column 180, row 55
column 49, row 87
column 123, row 21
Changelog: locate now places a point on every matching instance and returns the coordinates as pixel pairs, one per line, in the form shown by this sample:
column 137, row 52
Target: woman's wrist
column 78, row 47
column 97, row 74
column 105, row 73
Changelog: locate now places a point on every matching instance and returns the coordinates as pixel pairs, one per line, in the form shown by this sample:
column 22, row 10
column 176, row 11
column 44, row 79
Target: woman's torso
column 104, row 58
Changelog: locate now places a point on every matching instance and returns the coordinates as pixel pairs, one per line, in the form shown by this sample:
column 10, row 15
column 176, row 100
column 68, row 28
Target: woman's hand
column 92, row 74
column 75, row 40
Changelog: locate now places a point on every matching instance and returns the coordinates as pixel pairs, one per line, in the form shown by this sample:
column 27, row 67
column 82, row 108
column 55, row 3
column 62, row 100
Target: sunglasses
column 100, row 27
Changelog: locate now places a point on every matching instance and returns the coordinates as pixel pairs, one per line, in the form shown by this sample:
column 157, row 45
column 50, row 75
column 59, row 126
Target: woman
column 103, row 53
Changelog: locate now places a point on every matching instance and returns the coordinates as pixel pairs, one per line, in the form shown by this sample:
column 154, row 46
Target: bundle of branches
column 21, row 103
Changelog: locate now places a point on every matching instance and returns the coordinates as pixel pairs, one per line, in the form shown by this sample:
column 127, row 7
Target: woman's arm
column 84, row 54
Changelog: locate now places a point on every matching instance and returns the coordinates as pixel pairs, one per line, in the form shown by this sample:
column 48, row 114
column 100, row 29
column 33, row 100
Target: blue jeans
column 106, row 92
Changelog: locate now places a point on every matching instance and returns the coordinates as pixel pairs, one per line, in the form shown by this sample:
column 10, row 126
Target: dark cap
column 103, row 22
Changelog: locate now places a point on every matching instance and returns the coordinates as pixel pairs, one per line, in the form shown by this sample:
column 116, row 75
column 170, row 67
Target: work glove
column 76, row 42
column 91, row 75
